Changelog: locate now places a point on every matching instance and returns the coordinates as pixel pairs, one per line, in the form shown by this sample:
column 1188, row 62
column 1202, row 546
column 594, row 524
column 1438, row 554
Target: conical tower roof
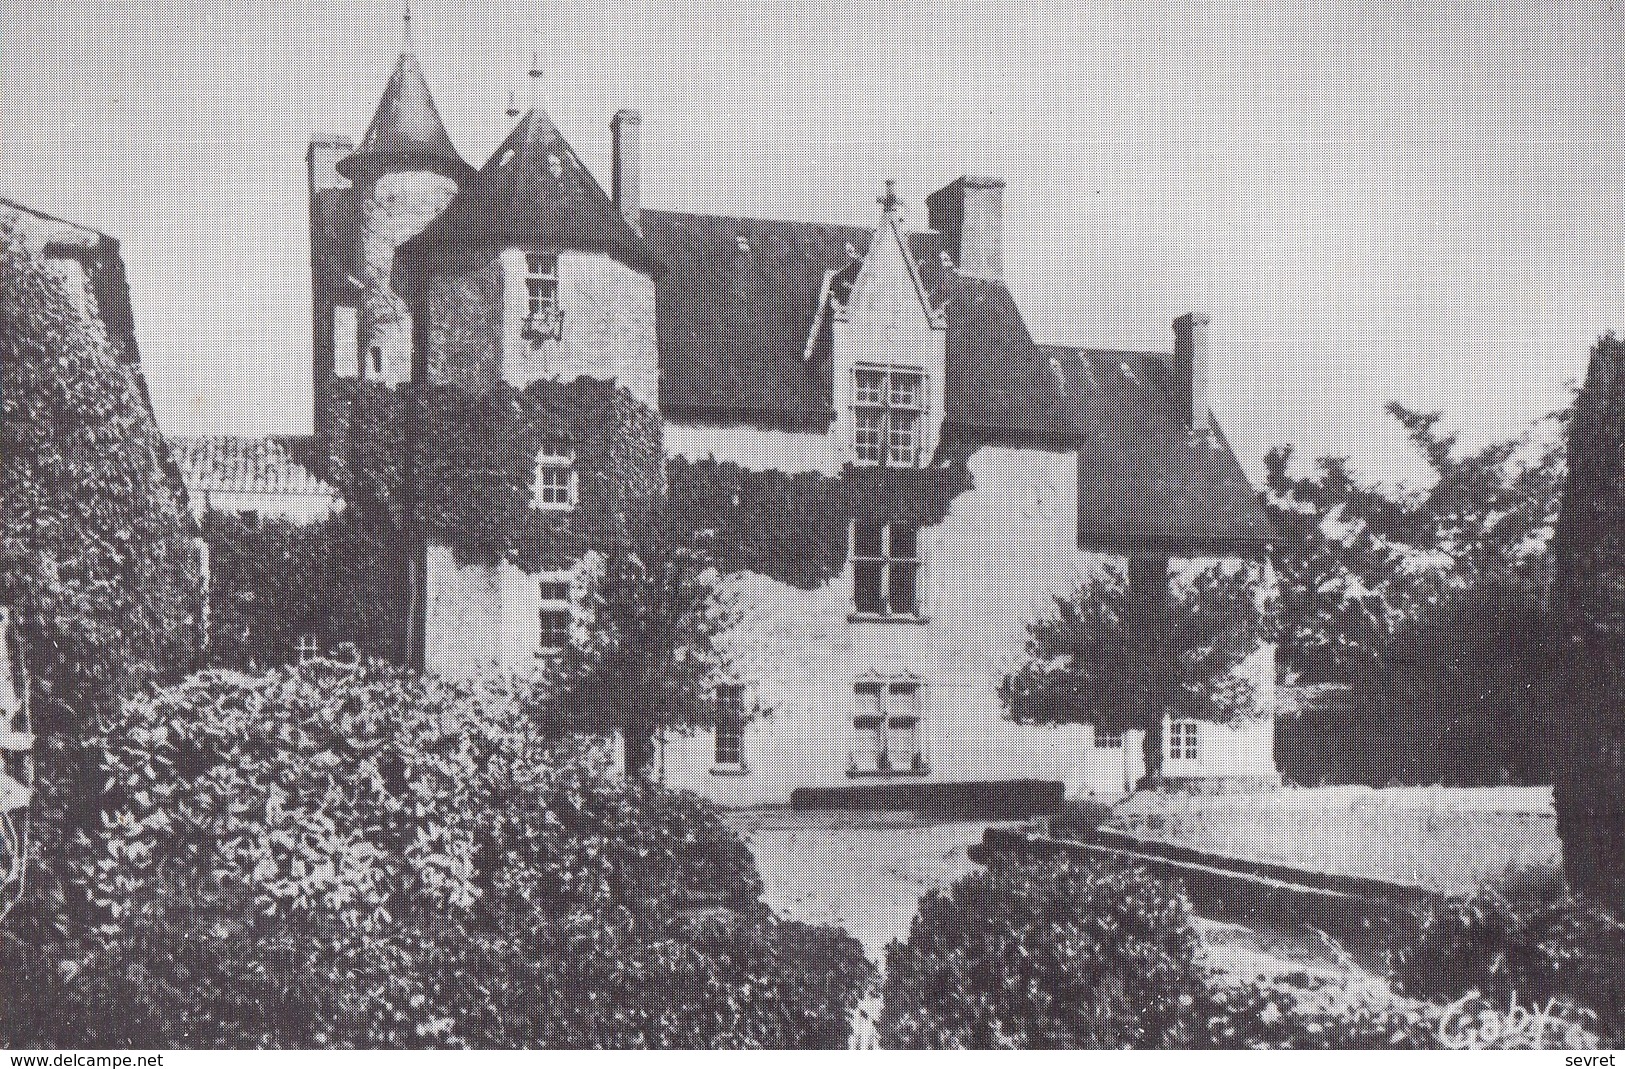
column 534, row 192
column 406, row 131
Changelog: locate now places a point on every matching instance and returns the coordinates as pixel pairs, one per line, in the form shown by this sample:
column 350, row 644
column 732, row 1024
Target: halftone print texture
column 909, row 526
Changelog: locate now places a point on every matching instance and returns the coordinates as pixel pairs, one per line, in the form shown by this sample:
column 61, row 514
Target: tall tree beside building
column 1085, row 662
column 1589, row 597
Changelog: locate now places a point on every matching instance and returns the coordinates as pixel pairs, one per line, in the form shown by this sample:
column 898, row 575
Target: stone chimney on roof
column 1191, row 371
column 969, row 212
column 626, row 174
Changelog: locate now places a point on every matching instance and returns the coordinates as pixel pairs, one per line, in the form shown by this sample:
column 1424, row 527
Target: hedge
column 96, row 551
column 343, row 855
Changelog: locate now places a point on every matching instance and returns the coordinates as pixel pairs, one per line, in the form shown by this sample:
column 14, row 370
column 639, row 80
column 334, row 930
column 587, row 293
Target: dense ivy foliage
column 344, row 855
column 341, row 582
column 96, row 551
column 1589, row 595
column 793, row 526
column 476, row 464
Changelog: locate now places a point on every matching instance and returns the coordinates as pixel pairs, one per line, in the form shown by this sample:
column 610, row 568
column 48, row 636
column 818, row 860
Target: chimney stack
column 626, row 175
column 1191, row 371
column 969, row 212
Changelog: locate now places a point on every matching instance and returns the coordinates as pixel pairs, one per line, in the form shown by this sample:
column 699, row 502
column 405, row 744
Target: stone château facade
column 971, row 474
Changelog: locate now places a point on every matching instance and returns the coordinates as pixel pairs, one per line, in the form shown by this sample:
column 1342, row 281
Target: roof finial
column 406, row 27
column 513, row 105
column 535, row 80
column 890, row 202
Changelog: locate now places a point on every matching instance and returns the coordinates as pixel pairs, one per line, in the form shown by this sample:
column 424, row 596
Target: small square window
column 307, row 648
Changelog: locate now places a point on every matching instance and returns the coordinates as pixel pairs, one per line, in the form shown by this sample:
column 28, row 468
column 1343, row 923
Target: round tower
column 531, row 288
column 405, row 172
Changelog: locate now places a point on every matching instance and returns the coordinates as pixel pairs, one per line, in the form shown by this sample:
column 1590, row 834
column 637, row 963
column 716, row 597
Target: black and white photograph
column 807, row 526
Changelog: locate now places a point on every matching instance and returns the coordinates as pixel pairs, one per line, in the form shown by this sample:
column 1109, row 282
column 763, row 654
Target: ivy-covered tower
column 538, row 435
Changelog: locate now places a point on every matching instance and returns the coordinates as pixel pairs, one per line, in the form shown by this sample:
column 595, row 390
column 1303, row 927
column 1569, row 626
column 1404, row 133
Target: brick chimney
column 626, row 173
column 969, row 212
column 1191, row 371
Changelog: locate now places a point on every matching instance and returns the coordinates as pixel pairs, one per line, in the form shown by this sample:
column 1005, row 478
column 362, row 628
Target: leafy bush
column 348, row 856
column 1302, row 1012
column 1055, row 953
column 1566, row 949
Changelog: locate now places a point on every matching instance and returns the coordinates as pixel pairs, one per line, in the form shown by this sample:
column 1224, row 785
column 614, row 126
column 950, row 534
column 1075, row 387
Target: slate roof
column 534, row 191
column 406, row 129
column 734, row 320
column 222, row 463
column 1146, row 481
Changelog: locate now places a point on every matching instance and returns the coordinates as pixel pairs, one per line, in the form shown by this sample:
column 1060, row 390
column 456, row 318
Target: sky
column 1413, row 200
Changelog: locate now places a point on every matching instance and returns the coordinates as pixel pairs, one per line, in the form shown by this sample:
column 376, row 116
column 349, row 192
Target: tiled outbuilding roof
column 221, row 463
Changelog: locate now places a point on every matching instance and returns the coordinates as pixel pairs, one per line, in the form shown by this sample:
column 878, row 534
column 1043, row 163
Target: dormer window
column 544, row 319
column 888, row 416
column 555, row 484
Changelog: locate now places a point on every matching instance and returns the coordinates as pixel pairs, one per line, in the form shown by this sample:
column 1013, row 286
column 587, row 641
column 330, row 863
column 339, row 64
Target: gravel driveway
column 863, row 871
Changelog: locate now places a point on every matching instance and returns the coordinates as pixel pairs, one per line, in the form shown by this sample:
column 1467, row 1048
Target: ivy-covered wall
column 793, row 526
column 342, row 582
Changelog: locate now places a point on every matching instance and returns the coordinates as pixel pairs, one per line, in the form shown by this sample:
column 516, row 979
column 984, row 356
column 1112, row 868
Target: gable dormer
column 888, row 353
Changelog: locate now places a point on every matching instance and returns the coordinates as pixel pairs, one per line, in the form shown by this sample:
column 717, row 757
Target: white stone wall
column 394, row 207
column 608, row 330
column 755, row 448
column 1004, row 551
column 298, row 507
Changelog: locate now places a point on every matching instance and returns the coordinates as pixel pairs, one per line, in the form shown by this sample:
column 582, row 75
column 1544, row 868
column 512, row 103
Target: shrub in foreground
column 335, row 856
column 1052, row 953
column 1569, row 949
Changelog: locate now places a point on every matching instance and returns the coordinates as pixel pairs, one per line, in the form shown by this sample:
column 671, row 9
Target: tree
column 1589, row 595
column 1359, row 562
column 1084, row 662
column 647, row 658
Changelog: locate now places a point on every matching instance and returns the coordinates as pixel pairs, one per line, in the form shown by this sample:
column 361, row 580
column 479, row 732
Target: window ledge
column 730, row 770
column 888, row 773
column 879, row 618
column 542, row 507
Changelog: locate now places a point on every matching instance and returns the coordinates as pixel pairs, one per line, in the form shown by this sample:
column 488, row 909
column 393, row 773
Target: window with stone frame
column 554, row 612
column 728, row 751
column 888, row 416
column 886, row 570
column 1184, row 740
column 555, row 482
column 886, row 726
column 543, row 316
